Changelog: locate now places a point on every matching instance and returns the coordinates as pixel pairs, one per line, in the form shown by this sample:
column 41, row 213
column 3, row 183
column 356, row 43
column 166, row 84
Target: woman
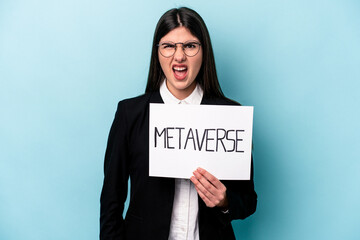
column 182, row 71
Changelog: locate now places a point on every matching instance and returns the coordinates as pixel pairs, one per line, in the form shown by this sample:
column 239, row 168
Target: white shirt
column 184, row 219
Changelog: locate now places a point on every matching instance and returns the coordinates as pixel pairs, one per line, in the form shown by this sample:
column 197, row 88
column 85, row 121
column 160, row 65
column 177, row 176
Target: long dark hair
column 177, row 17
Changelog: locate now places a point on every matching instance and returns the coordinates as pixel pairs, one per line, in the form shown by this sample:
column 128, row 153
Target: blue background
column 65, row 64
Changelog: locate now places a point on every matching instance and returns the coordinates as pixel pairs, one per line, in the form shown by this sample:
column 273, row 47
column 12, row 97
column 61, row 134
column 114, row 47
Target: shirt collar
column 194, row 98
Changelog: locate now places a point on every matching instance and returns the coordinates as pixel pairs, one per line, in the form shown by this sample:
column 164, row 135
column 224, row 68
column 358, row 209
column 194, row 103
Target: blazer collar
column 156, row 98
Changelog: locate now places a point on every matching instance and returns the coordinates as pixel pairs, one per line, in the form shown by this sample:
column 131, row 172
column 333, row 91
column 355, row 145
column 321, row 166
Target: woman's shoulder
column 135, row 100
column 219, row 101
column 138, row 105
column 230, row 101
column 141, row 100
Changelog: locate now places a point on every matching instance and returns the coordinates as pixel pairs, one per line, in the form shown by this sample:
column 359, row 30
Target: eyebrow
column 171, row 42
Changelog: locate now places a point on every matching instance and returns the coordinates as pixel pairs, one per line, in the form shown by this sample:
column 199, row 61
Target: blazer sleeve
column 116, row 174
column 242, row 199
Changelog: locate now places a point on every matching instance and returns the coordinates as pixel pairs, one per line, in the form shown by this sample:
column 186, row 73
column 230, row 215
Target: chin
column 182, row 86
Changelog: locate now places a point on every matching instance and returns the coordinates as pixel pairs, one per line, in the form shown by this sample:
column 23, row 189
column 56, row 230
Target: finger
column 206, row 200
column 214, row 201
column 205, row 183
column 211, row 178
column 219, row 194
column 199, row 186
column 207, row 197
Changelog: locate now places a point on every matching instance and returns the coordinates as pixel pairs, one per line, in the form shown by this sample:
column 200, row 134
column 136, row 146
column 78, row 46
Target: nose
column 179, row 54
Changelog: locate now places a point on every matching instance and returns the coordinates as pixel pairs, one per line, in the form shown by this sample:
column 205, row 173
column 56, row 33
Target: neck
column 182, row 93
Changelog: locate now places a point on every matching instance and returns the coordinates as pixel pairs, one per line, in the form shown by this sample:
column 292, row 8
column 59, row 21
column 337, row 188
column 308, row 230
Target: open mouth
column 180, row 72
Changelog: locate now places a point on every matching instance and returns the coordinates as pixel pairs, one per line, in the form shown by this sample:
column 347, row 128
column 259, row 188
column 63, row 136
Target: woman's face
column 179, row 69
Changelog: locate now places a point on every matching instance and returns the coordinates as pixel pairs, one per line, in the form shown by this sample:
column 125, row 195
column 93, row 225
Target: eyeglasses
column 168, row 49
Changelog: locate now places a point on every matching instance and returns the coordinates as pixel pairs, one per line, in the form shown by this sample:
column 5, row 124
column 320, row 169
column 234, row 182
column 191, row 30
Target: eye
column 190, row 45
column 168, row 46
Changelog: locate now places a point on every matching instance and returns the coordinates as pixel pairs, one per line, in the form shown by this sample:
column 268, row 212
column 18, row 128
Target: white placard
column 217, row 138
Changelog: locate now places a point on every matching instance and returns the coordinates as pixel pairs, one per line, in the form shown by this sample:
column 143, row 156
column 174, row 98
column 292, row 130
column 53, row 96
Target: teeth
column 179, row 68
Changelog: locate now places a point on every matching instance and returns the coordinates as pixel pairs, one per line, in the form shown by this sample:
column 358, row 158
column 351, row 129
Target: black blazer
column 151, row 198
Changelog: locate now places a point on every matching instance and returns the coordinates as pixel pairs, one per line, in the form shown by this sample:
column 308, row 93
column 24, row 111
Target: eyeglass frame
column 182, row 43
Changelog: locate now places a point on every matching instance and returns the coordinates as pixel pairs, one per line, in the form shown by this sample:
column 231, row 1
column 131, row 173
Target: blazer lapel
column 156, row 97
column 207, row 101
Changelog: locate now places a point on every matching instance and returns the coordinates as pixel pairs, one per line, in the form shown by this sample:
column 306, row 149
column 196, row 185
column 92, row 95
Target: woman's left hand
column 209, row 188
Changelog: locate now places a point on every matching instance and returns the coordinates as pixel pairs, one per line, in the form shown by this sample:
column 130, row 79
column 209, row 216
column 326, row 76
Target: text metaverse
column 209, row 140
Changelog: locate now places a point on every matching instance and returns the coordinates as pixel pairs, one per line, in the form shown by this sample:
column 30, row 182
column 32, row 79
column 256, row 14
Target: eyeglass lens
column 168, row 49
